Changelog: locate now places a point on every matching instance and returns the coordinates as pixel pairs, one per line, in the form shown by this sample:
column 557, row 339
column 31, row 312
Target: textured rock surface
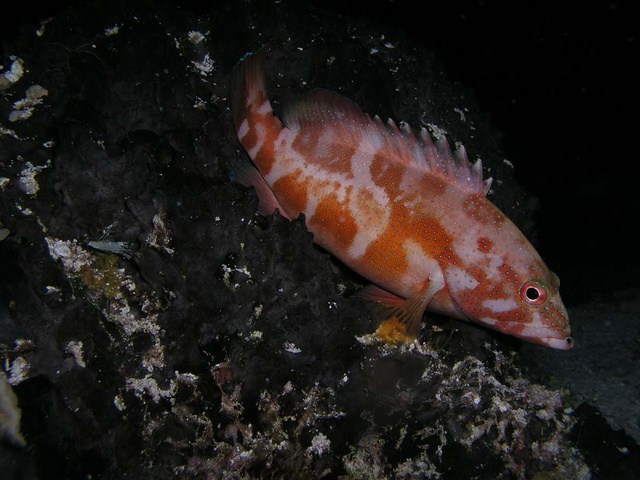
column 206, row 341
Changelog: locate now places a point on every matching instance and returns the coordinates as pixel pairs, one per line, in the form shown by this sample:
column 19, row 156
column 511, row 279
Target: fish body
column 403, row 211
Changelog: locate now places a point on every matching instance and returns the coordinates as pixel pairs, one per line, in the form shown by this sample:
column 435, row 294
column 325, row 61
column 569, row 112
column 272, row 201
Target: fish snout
column 556, row 343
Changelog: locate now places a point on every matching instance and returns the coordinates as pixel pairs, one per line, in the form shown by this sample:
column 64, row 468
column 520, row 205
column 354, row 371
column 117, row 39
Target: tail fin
column 247, row 89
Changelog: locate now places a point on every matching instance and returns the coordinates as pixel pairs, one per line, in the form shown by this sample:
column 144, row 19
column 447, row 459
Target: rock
column 155, row 326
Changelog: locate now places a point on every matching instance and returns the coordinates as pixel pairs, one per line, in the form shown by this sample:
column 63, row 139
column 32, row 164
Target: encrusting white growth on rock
column 73, row 257
column 75, row 348
column 10, row 414
column 23, row 109
column 196, row 37
column 291, row 347
column 12, row 75
column 160, row 237
column 18, row 371
column 206, row 66
column 118, row 402
column 228, row 273
column 27, row 178
column 112, row 30
column 320, row 444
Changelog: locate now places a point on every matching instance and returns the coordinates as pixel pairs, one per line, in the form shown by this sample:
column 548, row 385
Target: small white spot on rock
column 112, row 30
column 18, row 371
column 12, row 75
column 319, row 445
column 291, row 347
column 196, row 37
column 75, row 348
column 206, row 66
column 118, row 401
column 27, row 178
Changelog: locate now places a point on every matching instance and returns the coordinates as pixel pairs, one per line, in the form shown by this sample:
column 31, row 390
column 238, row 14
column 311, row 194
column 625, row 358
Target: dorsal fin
column 321, row 108
column 326, row 109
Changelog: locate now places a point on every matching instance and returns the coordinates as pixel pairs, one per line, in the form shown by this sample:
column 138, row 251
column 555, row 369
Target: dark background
column 559, row 83
column 559, row 88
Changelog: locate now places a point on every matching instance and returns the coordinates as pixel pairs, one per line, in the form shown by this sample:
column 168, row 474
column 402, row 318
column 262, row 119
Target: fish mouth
column 540, row 335
column 565, row 343
column 560, row 343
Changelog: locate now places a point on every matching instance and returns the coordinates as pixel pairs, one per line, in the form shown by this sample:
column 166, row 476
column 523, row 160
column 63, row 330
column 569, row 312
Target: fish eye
column 532, row 293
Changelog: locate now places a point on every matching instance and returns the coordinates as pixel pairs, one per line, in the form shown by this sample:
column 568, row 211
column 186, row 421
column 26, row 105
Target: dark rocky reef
column 152, row 325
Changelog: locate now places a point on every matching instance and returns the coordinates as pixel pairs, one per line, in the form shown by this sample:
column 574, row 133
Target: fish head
column 509, row 288
column 528, row 307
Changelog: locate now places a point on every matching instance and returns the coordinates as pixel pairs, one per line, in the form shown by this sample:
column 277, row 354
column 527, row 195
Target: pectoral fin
column 399, row 319
column 247, row 175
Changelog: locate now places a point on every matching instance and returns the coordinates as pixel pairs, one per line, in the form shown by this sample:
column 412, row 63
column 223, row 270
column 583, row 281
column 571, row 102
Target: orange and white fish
column 404, row 212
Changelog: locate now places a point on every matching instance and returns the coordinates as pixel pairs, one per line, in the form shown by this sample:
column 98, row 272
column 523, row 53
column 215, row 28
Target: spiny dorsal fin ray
column 322, row 109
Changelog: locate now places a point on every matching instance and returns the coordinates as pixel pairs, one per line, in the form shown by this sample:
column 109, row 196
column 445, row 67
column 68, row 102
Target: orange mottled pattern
column 403, row 211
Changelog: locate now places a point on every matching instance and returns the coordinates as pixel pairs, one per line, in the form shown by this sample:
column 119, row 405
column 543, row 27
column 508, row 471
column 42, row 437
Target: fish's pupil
column 532, row 293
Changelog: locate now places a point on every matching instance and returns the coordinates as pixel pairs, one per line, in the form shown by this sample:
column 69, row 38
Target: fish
column 403, row 210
